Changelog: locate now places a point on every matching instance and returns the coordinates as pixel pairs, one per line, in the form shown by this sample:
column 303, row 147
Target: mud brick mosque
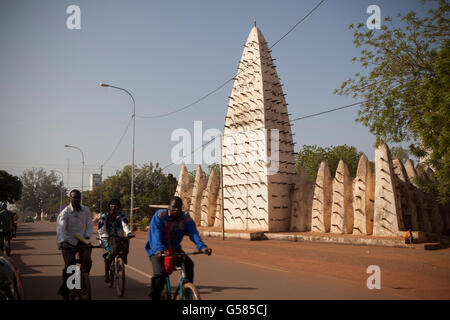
column 269, row 195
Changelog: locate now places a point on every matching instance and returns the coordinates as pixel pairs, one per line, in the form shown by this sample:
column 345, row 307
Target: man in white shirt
column 74, row 219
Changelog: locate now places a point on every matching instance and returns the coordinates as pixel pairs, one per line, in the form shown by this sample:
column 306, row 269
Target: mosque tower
column 258, row 151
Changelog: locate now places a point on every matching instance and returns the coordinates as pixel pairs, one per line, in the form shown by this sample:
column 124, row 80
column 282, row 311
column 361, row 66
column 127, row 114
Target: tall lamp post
column 62, row 179
column 132, row 165
column 82, row 168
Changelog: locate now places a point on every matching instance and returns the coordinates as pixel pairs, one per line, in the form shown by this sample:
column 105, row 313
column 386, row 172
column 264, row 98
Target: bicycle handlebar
column 182, row 254
column 85, row 241
column 127, row 237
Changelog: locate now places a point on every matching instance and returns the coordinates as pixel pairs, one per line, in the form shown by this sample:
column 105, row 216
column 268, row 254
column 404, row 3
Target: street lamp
column 62, row 179
column 132, row 165
column 82, row 168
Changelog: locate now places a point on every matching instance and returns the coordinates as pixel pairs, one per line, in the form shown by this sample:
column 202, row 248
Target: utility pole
column 221, row 184
column 82, row 168
column 101, row 187
column 62, row 186
column 132, row 164
column 68, row 166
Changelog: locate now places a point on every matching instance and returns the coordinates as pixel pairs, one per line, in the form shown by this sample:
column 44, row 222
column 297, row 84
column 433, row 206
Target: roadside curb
column 234, row 235
column 254, row 236
column 339, row 240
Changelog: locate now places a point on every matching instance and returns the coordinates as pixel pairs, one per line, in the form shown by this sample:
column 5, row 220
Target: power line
column 120, row 141
column 327, row 111
column 203, row 145
column 229, row 80
column 301, row 118
column 295, row 26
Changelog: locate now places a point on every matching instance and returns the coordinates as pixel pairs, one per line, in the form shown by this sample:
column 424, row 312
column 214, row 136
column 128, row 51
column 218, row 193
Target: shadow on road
column 41, row 254
column 37, row 234
column 46, row 288
column 17, row 244
column 23, row 268
column 211, row 289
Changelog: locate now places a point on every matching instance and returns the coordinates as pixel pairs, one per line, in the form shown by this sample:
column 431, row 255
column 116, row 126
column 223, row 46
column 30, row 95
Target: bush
column 141, row 225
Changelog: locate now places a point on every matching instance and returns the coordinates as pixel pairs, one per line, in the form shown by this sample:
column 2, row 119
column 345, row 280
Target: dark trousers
column 5, row 239
column 159, row 274
column 69, row 255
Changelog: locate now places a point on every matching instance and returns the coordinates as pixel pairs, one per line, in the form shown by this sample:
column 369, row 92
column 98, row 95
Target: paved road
column 238, row 269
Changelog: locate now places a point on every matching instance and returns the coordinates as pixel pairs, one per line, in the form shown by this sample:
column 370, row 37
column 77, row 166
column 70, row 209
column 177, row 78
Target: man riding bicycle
column 6, row 229
column 16, row 218
column 112, row 225
column 165, row 233
column 75, row 219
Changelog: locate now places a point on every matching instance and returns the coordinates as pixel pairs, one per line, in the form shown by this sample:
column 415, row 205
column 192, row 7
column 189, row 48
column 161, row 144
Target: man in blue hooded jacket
column 174, row 224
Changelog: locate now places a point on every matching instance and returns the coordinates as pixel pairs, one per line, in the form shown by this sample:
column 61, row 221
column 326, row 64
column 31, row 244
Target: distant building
column 96, row 180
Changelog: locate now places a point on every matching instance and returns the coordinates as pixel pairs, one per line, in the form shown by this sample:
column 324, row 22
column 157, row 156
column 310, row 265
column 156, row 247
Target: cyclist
column 16, row 218
column 74, row 219
column 6, row 228
column 165, row 233
column 10, row 284
column 111, row 225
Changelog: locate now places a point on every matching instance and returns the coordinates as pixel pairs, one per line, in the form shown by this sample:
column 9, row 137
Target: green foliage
column 211, row 167
column 215, row 167
column 10, row 187
column 434, row 125
column 41, row 191
column 192, row 176
column 399, row 153
column 141, row 225
column 151, row 186
column 406, row 87
column 310, row 157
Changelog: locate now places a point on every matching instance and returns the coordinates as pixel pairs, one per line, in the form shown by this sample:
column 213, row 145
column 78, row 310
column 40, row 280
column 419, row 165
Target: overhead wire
column 296, row 119
column 203, row 145
column 327, row 111
column 120, row 141
column 231, row 79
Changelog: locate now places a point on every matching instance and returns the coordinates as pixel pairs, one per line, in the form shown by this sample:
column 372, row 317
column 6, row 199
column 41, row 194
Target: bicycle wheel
column 120, row 277
column 8, row 246
column 112, row 274
column 165, row 294
column 85, row 292
column 190, row 292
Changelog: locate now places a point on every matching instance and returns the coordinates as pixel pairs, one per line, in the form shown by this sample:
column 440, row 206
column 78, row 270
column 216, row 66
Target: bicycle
column 84, row 293
column 5, row 242
column 185, row 289
column 10, row 281
column 117, row 269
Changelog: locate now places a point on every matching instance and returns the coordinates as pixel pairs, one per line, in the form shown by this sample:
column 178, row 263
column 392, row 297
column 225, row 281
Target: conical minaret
column 257, row 153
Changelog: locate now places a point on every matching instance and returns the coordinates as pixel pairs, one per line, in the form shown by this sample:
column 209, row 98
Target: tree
column 399, row 153
column 151, row 186
column 310, row 157
column 192, row 175
column 10, row 187
column 434, row 128
column 215, row 167
column 406, row 88
column 41, row 191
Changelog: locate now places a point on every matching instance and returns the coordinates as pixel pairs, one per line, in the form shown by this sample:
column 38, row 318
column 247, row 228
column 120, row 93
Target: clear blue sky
column 168, row 54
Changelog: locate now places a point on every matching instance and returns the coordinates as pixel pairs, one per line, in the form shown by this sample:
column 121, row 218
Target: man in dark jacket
column 6, row 228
